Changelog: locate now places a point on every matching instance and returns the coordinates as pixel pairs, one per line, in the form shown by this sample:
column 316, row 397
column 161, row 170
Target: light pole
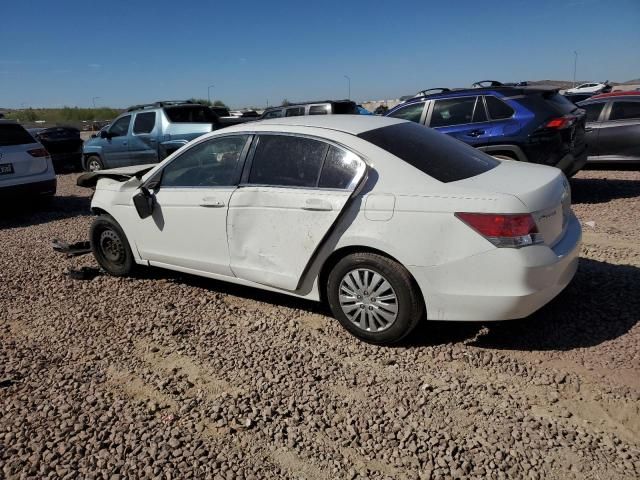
column 94, row 101
column 575, row 66
column 209, row 92
column 348, row 86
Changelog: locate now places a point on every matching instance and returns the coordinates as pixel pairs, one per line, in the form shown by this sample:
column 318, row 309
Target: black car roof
column 504, row 90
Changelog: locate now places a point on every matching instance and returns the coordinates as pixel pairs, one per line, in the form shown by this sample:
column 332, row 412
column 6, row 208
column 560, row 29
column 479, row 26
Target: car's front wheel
column 374, row 298
column 110, row 246
column 93, row 163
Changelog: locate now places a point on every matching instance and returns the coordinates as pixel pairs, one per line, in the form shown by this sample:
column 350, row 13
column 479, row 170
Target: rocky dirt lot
column 170, row 376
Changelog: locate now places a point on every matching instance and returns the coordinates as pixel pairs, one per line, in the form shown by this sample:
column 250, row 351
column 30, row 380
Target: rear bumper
column 33, row 189
column 500, row 284
column 570, row 164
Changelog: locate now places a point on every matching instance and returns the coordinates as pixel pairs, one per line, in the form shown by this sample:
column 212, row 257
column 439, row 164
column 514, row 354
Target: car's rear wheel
column 374, row 298
column 110, row 246
column 93, row 163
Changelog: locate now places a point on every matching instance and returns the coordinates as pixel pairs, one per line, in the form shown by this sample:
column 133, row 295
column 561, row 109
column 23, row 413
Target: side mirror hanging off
column 144, row 201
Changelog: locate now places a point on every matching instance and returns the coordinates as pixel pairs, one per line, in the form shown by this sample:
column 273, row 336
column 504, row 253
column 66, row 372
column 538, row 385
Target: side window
column 479, row 113
column 273, row 114
column 213, row 163
column 411, row 112
column 498, row 109
column 621, row 110
column 284, row 160
column 120, row 127
column 144, row 122
column 294, row 112
column 340, row 168
column 593, row 111
column 452, row 111
column 319, row 109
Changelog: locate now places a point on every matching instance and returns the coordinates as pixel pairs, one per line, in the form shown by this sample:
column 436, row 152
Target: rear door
column 293, row 191
column 464, row 118
column 619, row 135
column 115, row 148
column 594, row 114
column 143, row 143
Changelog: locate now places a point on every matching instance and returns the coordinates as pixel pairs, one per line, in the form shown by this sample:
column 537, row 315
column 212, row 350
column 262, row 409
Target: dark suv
column 515, row 122
column 613, row 126
column 322, row 107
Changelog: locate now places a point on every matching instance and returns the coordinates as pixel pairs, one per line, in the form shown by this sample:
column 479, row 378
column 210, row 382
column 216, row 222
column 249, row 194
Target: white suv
column 25, row 165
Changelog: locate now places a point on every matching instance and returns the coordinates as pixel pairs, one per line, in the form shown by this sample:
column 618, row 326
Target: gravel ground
column 171, row 376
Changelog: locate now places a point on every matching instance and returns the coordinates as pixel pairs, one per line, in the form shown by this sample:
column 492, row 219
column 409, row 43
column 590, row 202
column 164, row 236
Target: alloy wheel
column 368, row 300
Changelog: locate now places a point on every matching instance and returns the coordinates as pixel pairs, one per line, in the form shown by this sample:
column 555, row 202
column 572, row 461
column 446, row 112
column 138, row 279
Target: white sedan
column 386, row 220
column 588, row 88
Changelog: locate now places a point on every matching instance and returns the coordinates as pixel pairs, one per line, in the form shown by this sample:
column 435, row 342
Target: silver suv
column 25, row 165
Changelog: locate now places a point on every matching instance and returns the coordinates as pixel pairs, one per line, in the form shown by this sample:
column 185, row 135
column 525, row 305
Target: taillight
column 38, row 152
column 561, row 122
column 504, row 230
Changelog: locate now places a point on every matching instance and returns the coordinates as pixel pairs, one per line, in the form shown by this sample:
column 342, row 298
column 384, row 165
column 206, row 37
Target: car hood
column 89, row 180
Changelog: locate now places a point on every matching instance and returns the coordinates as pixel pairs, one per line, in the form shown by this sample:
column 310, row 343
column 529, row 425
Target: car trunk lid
column 543, row 190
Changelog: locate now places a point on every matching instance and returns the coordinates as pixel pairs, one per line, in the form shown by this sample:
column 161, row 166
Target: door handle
column 475, row 133
column 211, row 202
column 317, row 205
column 124, row 143
column 588, row 129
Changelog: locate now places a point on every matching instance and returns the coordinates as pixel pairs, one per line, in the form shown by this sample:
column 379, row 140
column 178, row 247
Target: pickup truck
column 149, row 133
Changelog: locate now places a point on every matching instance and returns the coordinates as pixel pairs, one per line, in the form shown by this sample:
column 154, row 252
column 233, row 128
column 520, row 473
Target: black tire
column 408, row 301
column 93, row 160
column 110, row 246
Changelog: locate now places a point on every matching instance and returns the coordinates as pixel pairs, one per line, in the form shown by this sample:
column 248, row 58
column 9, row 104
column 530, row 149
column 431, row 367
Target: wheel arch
column 337, row 255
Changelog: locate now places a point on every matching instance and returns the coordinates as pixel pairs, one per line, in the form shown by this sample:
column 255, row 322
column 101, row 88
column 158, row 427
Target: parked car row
column 150, row 132
column 522, row 123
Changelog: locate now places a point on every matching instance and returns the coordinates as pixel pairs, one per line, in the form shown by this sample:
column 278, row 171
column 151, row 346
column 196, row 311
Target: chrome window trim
column 362, row 167
column 239, row 167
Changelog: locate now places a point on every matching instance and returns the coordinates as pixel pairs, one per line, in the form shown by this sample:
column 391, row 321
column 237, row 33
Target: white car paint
column 278, row 239
column 591, row 87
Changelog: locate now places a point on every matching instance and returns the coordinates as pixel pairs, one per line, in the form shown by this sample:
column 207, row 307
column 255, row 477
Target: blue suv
column 511, row 122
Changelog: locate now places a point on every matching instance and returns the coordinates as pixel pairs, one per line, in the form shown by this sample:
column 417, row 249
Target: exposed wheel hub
column 111, row 246
column 368, row 300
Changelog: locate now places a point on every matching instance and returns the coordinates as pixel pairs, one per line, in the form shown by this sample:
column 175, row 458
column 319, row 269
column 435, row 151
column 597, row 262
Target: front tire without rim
column 374, row 298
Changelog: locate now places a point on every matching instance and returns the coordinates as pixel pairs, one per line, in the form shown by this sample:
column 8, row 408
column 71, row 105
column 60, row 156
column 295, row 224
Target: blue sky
column 126, row 51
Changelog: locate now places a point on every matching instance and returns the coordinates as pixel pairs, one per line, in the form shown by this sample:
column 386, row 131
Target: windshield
column 431, row 152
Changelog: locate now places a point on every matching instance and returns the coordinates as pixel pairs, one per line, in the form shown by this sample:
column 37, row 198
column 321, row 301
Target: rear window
column 436, row 154
column 191, row 114
column 14, row 134
column 560, row 103
column 344, row 108
column 498, row 110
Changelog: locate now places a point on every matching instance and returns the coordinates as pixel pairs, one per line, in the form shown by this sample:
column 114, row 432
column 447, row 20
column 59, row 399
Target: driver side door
column 188, row 228
column 115, row 148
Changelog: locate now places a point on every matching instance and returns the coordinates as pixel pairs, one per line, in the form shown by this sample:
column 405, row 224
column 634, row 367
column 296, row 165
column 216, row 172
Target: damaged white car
column 388, row 221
